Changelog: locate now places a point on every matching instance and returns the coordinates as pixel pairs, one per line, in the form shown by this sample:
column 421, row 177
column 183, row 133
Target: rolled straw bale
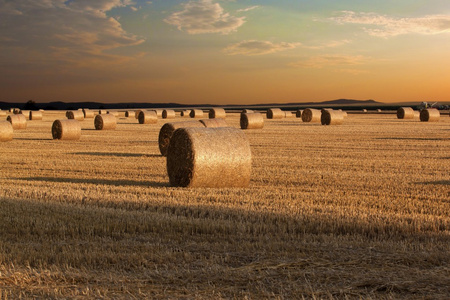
column 247, row 111
column 217, row 112
column 429, row 115
column 378, row 110
column 26, row 113
column 158, row 112
column 129, row 114
column 105, row 122
column 209, row 157
column 137, row 112
column 102, row 111
column 6, row 131
column 214, row 123
column 166, row 131
column 184, row 113
column 298, row 113
column 75, row 115
column 332, row 117
column 168, row 114
column 17, row 121
column 88, row 114
column 16, row 111
column 364, row 110
column 311, row 115
column 11, row 110
column 252, row 121
column 416, row 114
column 148, row 117
column 2, row 113
column 323, row 109
column 66, row 129
column 405, row 113
column 35, row 115
column 289, row 114
column 275, row 113
column 196, row 113
column 344, row 113
column 114, row 113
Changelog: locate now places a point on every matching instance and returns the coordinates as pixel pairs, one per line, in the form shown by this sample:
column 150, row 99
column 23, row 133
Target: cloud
column 248, row 8
column 254, row 47
column 204, row 16
column 385, row 26
column 321, row 61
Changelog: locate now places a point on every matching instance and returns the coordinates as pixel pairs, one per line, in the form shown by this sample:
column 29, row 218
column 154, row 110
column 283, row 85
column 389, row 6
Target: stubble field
column 360, row 210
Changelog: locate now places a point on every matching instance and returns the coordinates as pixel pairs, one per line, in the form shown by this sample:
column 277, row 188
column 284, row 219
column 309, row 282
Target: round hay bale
column 166, row 131
column 275, row 113
column 158, row 112
column 18, row 121
column 26, row 113
column 137, row 112
column 168, row 114
column 35, row 115
column 289, row 114
column 114, row 113
column 2, row 113
column 214, row 123
column 378, row 110
column 102, row 112
column 364, row 110
column 247, row 111
column 344, row 113
column 217, row 112
column 129, row 114
column 196, row 113
column 252, row 121
column 16, row 111
column 405, row 113
column 66, row 129
column 88, row 114
column 75, row 115
column 298, row 113
column 184, row 113
column 417, row 114
column 429, row 115
column 209, row 157
column 6, row 131
column 148, row 117
column 311, row 115
column 105, row 122
column 332, row 117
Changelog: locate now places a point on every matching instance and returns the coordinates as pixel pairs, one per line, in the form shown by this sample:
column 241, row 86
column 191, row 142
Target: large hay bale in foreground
column 66, row 129
column 105, row 122
column 332, row 117
column 196, row 113
column 35, row 115
column 209, row 157
column 148, row 117
column 168, row 114
column 405, row 113
column 75, row 115
column 214, row 123
column 88, row 114
column 252, row 121
column 18, row 121
column 311, row 115
column 166, row 131
column 275, row 113
column 6, row 131
column 429, row 115
column 217, row 112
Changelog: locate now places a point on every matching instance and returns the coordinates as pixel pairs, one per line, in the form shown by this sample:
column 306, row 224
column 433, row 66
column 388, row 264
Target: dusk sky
column 224, row 52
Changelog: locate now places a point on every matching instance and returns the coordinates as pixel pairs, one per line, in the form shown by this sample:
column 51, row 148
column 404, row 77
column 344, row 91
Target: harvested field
column 331, row 212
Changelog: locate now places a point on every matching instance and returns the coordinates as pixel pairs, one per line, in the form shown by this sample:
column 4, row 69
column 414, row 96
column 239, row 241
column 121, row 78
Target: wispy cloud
column 204, row 16
column 321, row 61
column 248, row 8
column 254, row 47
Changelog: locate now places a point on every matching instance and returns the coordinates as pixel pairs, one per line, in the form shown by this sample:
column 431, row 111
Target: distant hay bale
column 18, row 121
column 66, row 129
column 252, row 121
column 289, row 114
column 184, row 113
column 378, row 110
column 275, row 113
column 214, row 123
column 344, row 113
column 105, row 122
column 417, row 114
column 129, row 114
column 88, row 114
column 217, row 112
column 168, row 114
column 137, row 112
column 2, row 113
column 166, row 131
column 16, row 111
column 247, row 111
column 158, row 112
column 429, row 115
column 209, row 157
column 332, row 117
column 405, row 113
column 196, row 113
column 6, row 131
column 114, row 113
column 75, row 115
column 298, row 113
column 148, row 117
column 102, row 111
column 364, row 110
column 311, row 115
column 26, row 113
column 35, row 115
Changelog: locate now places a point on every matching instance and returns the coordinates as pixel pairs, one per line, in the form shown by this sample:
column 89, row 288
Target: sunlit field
column 359, row 210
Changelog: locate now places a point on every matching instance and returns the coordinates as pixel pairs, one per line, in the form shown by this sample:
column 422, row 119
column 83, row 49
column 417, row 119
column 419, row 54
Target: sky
column 224, row 52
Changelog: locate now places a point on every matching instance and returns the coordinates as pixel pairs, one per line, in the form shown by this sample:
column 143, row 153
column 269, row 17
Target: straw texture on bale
column 35, row 115
column 332, row 117
column 405, row 113
column 114, row 113
column 196, row 113
column 184, row 113
column 105, row 122
column 416, row 114
column 137, row 112
column 298, row 113
column 102, row 112
column 75, row 115
column 129, row 114
column 429, row 115
column 148, row 117
column 217, row 112
column 247, row 111
column 17, row 121
column 66, row 129
column 344, row 113
column 252, row 121
column 289, row 114
column 26, row 113
column 209, row 157
column 168, row 114
column 6, row 131
column 214, row 123
column 275, row 113
column 311, row 115
column 2, row 113
column 166, row 131
column 158, row 112
column 88, row 114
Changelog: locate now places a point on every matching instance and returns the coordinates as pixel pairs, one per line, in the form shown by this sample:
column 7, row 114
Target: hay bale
column 102, row 112
column 35, row 115
column 429, row 115
column 166, row 131
column 105, row 122
column 298, row 113
column 275, row 113
column 378, row 110
column 416, row 114
column 289, row 114
column 214, row 123
column 158, row 112
column 26, row 113
column 344, row 113
column 252, row 121
column 311, row 115
column 2, row 113
column 129, row 114
column 88, row 114
column 168, row 114
column 247, row 111
column 66, row 129
column 148, row 117
column 364, row 110
column 6, row 131
column 16, row 111
column 184, row 113
column 405, row 113
column 196, row 113
column 137, row 112
column 114, row 113
column 18, row 121
column 217, row 112
column 75, row 115
column 332, row 117
column 209, row 157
